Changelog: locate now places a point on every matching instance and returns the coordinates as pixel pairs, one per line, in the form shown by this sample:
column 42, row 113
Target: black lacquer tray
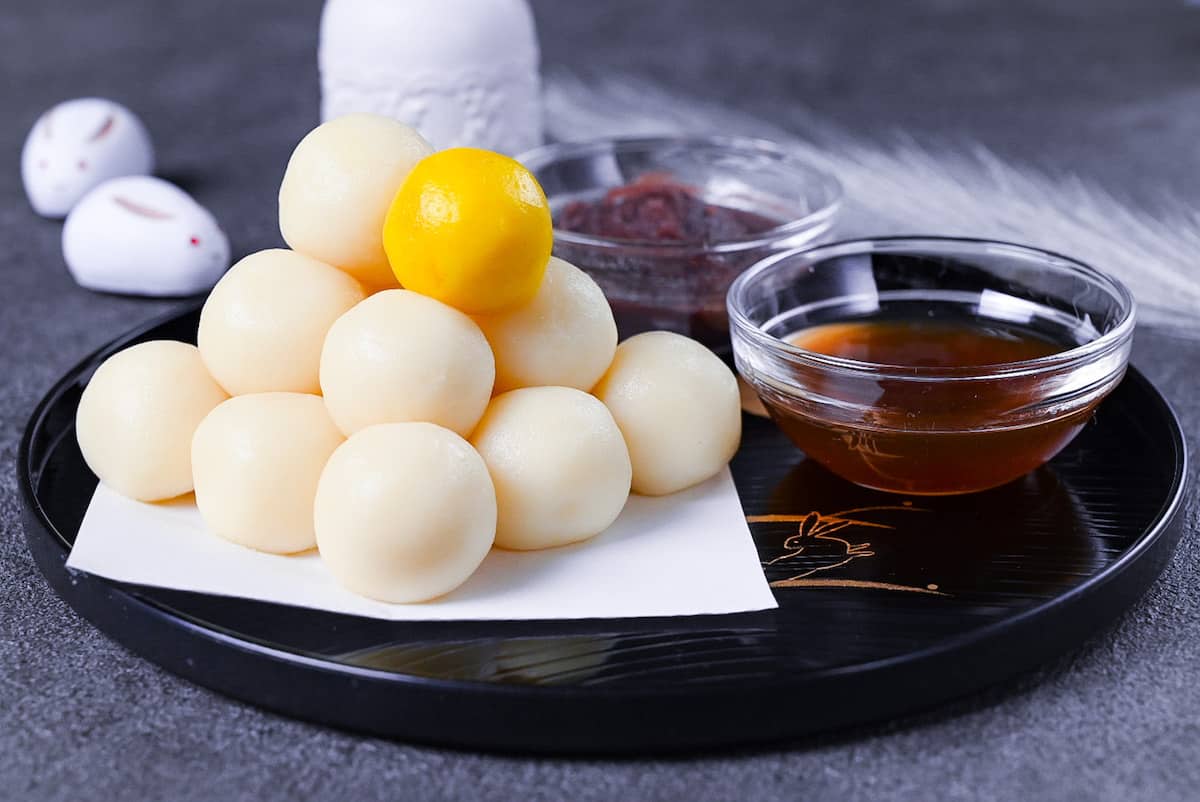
column 887, row 604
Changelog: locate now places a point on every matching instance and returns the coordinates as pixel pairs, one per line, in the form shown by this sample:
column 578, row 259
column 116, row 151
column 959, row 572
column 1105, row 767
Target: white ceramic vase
column 462, row 72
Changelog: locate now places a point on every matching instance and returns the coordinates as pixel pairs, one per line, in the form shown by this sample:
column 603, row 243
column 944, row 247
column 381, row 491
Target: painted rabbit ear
column 144, row 211
column 104, row 129
column 808, row 525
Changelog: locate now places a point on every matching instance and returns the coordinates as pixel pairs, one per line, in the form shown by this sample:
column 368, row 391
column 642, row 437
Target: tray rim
column 129, row 595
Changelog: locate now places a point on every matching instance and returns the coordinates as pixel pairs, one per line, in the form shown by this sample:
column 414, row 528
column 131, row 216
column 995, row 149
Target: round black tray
column 887, row 604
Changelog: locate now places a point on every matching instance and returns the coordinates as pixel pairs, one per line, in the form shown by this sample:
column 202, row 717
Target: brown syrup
column 924, row 437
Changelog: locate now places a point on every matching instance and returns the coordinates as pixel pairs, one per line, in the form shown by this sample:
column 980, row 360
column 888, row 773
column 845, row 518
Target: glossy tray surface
column 887, row 604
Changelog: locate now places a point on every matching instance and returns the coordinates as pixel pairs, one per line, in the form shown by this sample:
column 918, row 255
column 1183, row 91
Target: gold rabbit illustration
column 814, row 548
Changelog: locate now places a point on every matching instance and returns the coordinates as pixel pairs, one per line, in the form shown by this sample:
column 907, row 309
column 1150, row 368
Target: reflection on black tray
column 860, row 575
column 887, row 604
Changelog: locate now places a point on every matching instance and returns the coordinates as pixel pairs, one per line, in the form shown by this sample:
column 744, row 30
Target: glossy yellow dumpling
column 470, row 228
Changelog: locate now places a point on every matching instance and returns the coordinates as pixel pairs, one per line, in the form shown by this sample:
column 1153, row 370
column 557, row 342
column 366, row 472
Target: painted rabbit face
column 140, row 235
column 77, row 145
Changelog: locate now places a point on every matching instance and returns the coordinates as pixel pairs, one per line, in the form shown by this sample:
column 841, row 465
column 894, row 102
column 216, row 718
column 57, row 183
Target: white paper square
column 686, row 554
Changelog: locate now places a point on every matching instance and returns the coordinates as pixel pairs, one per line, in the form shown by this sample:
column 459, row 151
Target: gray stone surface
column 1106, row 89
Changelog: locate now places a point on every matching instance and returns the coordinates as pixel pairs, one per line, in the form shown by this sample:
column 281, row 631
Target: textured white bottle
column 462, row 72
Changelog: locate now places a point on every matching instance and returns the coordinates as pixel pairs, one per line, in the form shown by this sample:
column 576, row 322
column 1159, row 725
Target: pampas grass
column 905, row 188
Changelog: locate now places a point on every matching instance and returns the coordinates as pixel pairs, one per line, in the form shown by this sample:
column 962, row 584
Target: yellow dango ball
column 470, row 228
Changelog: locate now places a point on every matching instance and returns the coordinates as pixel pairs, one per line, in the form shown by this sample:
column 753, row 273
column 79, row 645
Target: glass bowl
column 931, row 430
column 671, row 285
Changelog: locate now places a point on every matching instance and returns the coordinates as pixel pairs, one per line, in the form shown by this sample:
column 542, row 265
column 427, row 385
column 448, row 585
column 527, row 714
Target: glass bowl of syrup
column 664, row 225
column 929, row 366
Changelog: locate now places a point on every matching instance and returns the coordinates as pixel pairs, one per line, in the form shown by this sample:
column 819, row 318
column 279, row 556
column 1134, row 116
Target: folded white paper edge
column 690, row 553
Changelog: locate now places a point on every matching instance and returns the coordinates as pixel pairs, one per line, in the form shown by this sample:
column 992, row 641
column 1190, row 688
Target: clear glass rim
column 1116, row 338
column 822, row 217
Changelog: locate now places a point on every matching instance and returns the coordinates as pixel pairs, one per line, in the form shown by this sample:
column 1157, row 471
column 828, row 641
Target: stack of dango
column 405, row 432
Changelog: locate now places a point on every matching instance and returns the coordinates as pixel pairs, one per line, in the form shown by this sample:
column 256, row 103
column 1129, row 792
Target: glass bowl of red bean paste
column 664, row 225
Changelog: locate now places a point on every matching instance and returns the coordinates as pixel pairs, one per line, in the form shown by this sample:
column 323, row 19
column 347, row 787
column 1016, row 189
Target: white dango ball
column 405, row 512
column 140, row 235
column 264, row 324
column 137, row 415
column 399, row 356
column 565, row 336
column 677, row 405
column 337, row 188
column 561, row 469
column 78, row 145
column 256, row 461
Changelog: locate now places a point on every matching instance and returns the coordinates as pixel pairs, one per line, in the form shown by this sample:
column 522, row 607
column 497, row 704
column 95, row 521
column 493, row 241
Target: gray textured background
column 1108, row 90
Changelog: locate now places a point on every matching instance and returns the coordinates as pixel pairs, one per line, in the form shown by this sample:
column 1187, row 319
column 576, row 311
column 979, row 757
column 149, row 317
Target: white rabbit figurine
column 78, row 144
column 462, row 72
column 140, row 235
